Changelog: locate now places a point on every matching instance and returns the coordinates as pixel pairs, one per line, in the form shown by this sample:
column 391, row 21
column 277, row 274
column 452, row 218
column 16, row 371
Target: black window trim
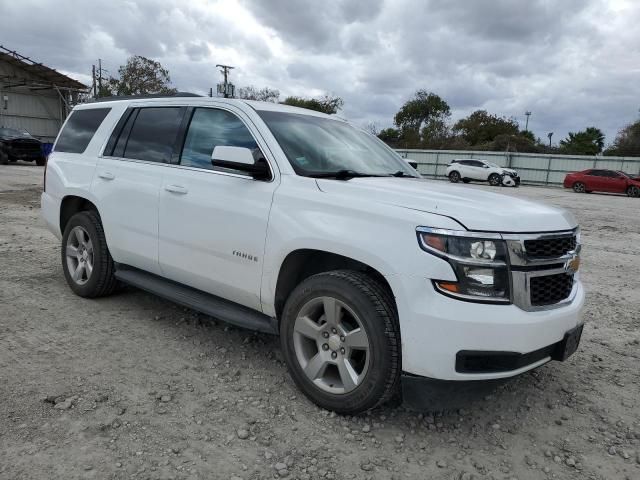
column 182, row 134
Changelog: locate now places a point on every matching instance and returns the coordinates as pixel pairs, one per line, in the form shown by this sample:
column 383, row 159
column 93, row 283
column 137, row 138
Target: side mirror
column 485, row 166
column 240, row 158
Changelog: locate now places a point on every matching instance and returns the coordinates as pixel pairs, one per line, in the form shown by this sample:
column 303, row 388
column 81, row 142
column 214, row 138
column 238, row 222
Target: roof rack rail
column 142, row 97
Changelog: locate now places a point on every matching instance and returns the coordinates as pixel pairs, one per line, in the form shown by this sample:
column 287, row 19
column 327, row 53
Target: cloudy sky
column 572, row 63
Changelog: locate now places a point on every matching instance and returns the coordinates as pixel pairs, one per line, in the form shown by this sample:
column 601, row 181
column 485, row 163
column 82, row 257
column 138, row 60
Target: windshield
column 13, row 132
column 317, row 146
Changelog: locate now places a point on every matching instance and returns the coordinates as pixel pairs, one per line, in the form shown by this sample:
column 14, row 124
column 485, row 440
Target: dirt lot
column 133, row 386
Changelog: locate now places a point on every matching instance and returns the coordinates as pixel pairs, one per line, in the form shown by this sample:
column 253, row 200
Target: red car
column 611, row 181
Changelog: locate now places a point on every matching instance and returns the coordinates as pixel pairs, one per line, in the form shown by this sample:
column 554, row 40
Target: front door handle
column 106, row 175
column 176, row 189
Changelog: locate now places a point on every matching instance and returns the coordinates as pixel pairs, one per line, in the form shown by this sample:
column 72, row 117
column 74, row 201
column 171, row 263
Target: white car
column 483, row 171
column 292, row 222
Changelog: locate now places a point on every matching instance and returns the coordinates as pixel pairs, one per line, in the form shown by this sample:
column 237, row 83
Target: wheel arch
column 303, row 263
column 72, row 204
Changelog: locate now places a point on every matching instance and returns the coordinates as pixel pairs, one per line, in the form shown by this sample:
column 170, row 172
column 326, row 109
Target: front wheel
column 633, row 191
column 340, row 338
column 454, row 177
column 495, row 180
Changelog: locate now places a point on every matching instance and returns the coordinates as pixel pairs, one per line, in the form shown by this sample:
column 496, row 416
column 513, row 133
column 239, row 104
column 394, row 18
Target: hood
column 473, row 208
column 12, row 138
column 510, row 170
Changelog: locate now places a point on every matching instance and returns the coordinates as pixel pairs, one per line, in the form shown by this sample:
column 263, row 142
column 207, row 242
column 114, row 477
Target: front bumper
column 435, row 328
column 421, row 393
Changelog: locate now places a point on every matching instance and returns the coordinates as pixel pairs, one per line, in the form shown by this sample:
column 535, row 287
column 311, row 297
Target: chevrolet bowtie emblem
column 572, row 265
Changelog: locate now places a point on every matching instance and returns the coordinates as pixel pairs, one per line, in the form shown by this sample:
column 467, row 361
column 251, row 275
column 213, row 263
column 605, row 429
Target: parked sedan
column 610, row 181
column 18, row 144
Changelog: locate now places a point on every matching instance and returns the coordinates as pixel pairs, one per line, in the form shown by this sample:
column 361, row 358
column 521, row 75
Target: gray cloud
column 572, row 63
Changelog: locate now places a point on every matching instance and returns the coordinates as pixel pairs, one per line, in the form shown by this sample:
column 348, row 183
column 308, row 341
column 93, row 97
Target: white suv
column 295, row 223
column 481, row 170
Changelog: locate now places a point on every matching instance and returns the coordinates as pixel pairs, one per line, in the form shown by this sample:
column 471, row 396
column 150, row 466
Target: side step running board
column 216, row 307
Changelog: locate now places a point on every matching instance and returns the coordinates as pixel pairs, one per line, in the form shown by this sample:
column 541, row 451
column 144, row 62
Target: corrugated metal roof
column 48, row 75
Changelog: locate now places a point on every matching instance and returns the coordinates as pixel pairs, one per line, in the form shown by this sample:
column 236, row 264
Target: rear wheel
column 454, row 177
column 340, row 338
column 4, row 158
column 41, row 161
column 633, row 191
column 494, row 180
column 86, row 261
column 579, row 187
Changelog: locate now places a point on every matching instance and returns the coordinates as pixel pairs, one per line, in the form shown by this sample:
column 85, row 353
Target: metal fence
column 533, row 168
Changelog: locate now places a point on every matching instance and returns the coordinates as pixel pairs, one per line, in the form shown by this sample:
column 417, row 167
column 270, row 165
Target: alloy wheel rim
column 331, row 345
column 579, row 187
column 79, row 253
column 494, row 180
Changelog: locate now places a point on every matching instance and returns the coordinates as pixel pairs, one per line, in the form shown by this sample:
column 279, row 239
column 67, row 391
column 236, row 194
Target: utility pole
column 100, row 76
column 93, row 81
column 526, row 127
column 550, row 134
column 227, row 89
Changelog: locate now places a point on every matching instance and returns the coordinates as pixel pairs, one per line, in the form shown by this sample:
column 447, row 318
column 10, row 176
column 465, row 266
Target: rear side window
column 209, row 128
column 79, row 130
column 153, row 134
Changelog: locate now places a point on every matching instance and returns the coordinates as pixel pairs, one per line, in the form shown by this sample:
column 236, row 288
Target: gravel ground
column 132, row 386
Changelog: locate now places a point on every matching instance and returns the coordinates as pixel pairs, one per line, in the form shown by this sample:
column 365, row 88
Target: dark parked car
column 18, row 144
column 611, row 181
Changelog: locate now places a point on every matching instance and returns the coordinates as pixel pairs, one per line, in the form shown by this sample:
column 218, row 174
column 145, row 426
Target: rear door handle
column 176, row 189
column 106, row 175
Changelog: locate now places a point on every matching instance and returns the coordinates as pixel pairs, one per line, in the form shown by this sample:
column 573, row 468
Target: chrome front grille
column 542, row 272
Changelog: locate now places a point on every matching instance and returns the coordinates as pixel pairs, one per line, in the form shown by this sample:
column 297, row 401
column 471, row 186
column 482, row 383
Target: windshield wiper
column 343, row 174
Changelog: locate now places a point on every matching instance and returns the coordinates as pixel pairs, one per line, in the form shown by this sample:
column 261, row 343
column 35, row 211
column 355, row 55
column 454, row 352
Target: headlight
column 479, row 261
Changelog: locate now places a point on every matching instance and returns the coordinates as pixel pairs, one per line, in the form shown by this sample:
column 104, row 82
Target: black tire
column 454, row 177
column 4, row 158
column 41, row 161
column 633, row 191
column 102, row 281
column 579, row 187
column 465, row 180
column 375, row 308
column 495, row 180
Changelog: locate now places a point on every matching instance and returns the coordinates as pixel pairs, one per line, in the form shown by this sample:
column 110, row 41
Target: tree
column 326, row 104
column 627, row 142
column 586, row 142
column 423, row 119
column 482, row 127
column 390, row 136
column 141, row 76
column 265, row 94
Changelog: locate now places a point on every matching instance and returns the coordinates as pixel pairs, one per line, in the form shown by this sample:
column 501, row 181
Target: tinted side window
column 209, row 128
column 596, row 173
column 153, row 134
column 79, row 129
